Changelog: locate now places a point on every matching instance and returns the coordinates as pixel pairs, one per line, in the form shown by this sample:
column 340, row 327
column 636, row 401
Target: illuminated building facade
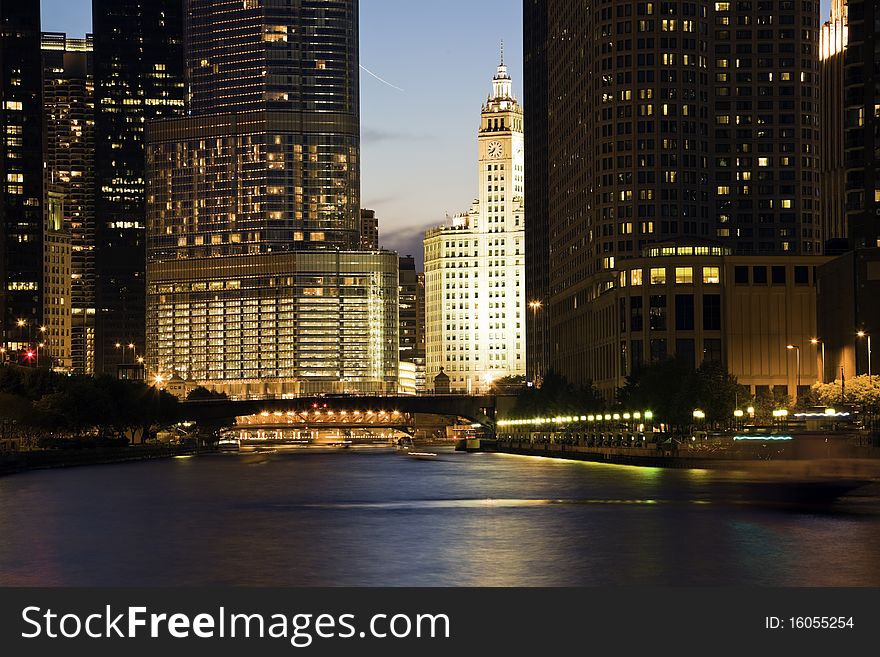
column 668, row 121
column 475, row 266
column 700, row 302
column 139, row 77
column 53, row 338
column 255, row 284
column 21, row 177
column 69, row 105
column 276, row 324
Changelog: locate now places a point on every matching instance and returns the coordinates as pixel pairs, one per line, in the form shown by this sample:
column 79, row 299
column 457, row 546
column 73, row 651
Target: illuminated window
column 658, row 276
column 635, row 277
column 711, row 275
column 684, row 275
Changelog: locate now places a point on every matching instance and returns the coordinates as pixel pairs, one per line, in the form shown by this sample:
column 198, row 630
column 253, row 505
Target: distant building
column 139, row 78
column 53, row 337
column 369, row 231
column 475, row 264
column 69, row 105
column 411, row 304
column 22, row 217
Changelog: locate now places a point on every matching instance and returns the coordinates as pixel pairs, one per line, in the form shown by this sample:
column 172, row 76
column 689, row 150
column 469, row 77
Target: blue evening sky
column 418, row 145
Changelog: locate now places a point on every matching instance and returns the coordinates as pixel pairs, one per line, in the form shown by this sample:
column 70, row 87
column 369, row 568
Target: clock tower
column 501, row 157
column 475, row 312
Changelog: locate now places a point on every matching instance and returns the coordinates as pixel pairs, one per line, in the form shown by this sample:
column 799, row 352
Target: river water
column 382, row 519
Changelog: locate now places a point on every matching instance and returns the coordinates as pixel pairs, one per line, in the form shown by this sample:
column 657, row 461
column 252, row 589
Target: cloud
column 376, row 135
column 381, row 200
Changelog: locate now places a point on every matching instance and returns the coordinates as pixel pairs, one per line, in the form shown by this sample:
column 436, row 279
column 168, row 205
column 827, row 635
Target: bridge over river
column 385, row 411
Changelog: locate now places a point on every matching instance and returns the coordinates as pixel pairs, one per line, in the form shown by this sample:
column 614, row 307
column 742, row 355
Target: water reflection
column 381, row 519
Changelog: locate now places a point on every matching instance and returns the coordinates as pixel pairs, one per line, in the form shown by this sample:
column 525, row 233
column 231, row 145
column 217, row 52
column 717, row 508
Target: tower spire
column 501, row 85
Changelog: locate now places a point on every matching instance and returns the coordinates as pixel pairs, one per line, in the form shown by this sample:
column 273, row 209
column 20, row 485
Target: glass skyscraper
column 255, row 284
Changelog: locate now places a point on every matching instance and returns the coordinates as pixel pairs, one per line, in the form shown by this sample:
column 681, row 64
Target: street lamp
column 21, row 323
column 798, row 350
column 821, row 344
column 535, row 306
column 863, row 334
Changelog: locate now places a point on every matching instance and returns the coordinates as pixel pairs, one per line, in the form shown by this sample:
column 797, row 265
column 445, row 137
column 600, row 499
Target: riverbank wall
column 669, row 458
column 15, row 462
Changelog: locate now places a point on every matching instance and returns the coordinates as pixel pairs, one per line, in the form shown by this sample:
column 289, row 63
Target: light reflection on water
column 382, row 519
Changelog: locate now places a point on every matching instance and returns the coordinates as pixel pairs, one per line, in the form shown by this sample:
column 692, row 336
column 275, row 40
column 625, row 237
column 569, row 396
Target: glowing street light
column 798, row 351
column 863, row 334
column 821, row 343
column 535, row 306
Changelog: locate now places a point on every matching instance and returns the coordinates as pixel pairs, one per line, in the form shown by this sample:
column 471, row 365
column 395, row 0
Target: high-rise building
column 69, row 105
column 862, row 123
column 21, row 175
column 255, row 283
column 369, row 231
column 139, row 77
column 475, row 310
column 692, row 122
column 832, row 46
column 411, row 304
column 52, row 341
column 537, row 175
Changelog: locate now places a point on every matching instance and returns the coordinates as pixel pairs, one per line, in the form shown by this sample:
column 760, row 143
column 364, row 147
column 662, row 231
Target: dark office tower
column 139, row 77
column 537, row 179
column 676, row 130
column 862, row 123
column 69, row 105
column 764, row 121
column 832, row 173
column 21, row 175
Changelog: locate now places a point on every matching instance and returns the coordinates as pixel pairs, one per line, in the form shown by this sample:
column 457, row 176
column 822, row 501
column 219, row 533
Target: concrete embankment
column 14, row 462
column 648, row 457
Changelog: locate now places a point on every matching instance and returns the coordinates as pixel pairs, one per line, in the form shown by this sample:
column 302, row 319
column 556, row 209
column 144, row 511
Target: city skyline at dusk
column 417, row 144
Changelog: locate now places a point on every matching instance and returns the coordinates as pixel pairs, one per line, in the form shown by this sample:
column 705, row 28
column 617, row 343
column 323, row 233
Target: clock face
column 494, row 150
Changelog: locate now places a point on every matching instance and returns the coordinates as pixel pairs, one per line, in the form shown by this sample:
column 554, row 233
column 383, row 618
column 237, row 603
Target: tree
column 862, row 392
column 673, row 390
column 718, row 392
column 557, row 396
column 203, row 394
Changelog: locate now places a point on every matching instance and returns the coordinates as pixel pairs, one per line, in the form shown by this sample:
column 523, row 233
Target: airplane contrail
column 380, row 79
